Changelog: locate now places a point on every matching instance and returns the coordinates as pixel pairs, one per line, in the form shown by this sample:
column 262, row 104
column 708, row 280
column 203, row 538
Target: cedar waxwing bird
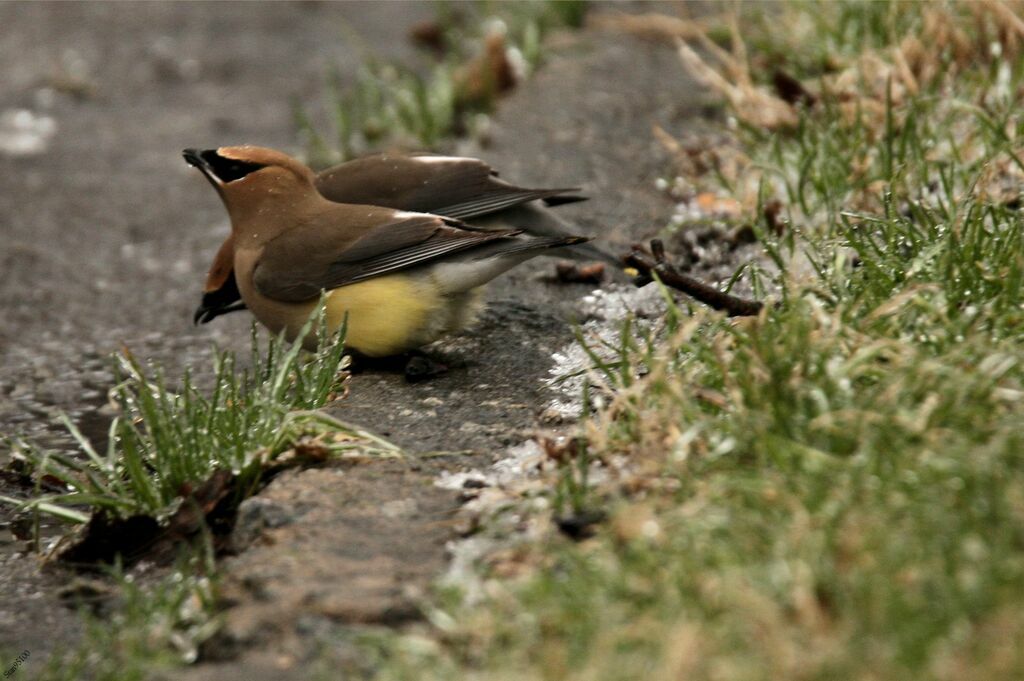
column 456, row 187
column 402, row 279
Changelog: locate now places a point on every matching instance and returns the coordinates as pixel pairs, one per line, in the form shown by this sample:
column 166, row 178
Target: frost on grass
column 605, row 310
column 496, row 498
column 509, row 499
column 516, row 465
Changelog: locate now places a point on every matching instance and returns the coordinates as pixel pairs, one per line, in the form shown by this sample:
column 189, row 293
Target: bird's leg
column 420, row 367
column 361, row 363
column 415, row 365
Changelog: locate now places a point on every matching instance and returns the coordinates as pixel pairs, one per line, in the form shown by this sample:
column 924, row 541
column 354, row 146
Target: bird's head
column 248, row 178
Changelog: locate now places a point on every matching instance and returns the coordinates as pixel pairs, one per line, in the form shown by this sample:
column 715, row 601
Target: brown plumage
column 401, row 278
column 456, row 187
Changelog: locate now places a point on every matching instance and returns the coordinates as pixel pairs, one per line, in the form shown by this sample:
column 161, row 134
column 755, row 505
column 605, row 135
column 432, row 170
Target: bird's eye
column 229, row 169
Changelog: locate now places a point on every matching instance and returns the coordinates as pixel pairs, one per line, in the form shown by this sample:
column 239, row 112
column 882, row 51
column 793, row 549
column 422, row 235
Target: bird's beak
column 219, row 301
column 205, row 314
column 194, row 158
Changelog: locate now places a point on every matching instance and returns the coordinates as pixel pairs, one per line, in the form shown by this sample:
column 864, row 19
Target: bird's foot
column 420, row 367
column 415, row 366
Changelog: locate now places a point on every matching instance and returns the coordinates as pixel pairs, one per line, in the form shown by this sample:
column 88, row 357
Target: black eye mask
column 217, row 168
column 228, row 169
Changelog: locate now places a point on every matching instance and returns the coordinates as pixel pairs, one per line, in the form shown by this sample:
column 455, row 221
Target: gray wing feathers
column 444, row 242
column 533, row 220
column 300, row 263
column 455, row 187
column 495, row 201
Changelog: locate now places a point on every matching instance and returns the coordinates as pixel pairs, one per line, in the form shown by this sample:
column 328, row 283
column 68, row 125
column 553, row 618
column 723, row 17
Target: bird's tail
column 525, row 243
column 589, row 252
column 537, row 222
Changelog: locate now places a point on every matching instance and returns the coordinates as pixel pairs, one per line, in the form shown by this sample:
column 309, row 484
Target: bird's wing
column 456, row 187
column 317, row 256
column 453, row 186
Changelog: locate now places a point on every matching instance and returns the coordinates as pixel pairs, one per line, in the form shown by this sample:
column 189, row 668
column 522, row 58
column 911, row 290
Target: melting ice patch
column 500, row 490
column 519, row 463
column 605, row 311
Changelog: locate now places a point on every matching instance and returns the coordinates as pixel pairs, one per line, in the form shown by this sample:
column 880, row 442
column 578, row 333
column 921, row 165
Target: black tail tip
column 563, row 199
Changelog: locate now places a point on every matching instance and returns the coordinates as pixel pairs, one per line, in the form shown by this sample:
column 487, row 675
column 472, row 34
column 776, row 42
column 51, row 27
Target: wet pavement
column 107, row 236
column 106, row 232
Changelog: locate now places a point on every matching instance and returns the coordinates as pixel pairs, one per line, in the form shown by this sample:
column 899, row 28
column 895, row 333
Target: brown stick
column 648, row 264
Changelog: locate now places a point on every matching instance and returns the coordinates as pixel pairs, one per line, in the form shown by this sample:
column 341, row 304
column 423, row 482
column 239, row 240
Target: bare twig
column 654, row 263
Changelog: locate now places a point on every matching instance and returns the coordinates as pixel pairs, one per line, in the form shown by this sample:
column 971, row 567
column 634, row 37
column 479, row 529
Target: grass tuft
column 153, row 627
column 834, row 489
column 485, row 48
column 164, row 441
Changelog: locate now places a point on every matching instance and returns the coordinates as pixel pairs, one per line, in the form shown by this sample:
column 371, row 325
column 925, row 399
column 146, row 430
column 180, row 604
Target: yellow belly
column 385, row 315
